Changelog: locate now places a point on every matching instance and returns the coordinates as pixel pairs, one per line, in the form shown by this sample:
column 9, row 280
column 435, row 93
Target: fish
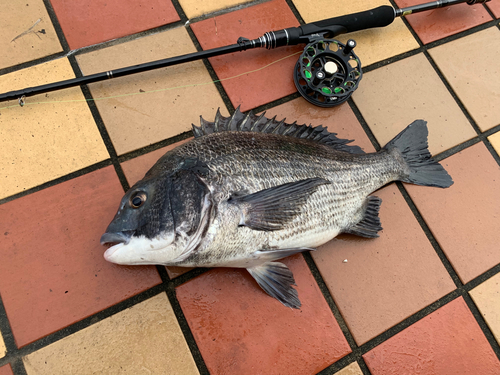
column 247, row 191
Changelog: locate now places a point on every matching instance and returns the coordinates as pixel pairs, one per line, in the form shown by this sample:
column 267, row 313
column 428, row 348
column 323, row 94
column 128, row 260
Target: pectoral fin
column 277, row 280
column 370, row 224
column 272, row 208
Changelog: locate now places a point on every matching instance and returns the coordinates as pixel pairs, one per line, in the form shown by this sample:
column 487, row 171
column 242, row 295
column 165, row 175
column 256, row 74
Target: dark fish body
column 248, row 191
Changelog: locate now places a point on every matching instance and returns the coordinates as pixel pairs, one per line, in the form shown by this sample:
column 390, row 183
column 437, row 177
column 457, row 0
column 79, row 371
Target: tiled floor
column 423, row 298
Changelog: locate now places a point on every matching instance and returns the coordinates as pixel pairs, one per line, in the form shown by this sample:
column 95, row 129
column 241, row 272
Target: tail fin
column 412, row 143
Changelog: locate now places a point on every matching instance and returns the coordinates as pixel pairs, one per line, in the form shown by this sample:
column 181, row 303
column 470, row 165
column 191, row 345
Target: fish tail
column 421, row 168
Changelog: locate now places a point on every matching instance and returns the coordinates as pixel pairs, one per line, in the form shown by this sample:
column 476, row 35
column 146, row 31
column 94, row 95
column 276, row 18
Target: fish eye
column 137, row 199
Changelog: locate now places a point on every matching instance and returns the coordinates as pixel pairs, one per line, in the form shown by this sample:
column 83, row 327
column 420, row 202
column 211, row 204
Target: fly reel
column 327, row 72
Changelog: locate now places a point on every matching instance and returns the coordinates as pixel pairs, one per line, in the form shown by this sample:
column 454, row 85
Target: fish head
column 157, row 220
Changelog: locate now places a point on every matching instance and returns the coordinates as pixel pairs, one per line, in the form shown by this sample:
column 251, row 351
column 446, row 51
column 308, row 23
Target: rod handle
column 377, row 17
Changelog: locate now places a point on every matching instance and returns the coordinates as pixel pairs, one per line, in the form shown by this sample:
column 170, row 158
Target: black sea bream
column 248, row 191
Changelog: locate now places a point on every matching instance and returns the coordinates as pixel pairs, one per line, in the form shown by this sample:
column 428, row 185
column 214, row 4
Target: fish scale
column 248, row 191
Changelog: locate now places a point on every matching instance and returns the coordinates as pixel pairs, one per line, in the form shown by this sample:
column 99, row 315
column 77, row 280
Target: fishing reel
column 327, row 72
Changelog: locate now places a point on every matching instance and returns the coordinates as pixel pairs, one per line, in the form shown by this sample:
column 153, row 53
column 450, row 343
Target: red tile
column 6, row 370
column 494, row 6
column 52, row 270
column 241, row 330
column 385, row 279
column 255, row 88
column 465, row 218
column 448, row 341
column 439, row 23
column 87, row 22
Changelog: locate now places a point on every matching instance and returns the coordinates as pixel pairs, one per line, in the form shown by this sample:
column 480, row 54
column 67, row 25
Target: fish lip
column 116, row 238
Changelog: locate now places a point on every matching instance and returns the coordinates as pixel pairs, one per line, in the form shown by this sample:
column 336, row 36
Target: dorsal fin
column 261, row 124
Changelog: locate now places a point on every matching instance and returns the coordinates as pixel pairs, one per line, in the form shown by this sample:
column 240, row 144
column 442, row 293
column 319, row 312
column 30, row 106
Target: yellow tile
column 352, row 369
column 144, row 339
column 181, row 93
column 495, row 141
column 41, row 142
column 470, row 65
column 487, row 298
column 195, row 8
column 373, row 45
column 27, row 32
column 395, row 95
column 3, row 350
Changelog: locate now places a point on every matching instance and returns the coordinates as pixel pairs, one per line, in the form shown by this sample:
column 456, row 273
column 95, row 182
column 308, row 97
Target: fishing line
column 159, row 90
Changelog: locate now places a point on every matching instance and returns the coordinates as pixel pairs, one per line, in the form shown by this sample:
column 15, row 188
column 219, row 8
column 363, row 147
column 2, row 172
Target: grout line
column 106, row 139
column 169, row 287
column 275, row 103
column 425, row 228
column 491, row 149
column 490, row 12
column 452, row 92
column 186, row 330
column 154, row 146
column 480, row 134
column 88, row 321
column 412, row 319
column 407, row 24
column 188, row 276
column 211, row 72
column 29, row 64
column 295, row 11
column 482, row 278
column 57, row 25
column 364, row 124
column 426, row 47
column 482, row 323
column 126, row 39
column 346, row 360
column 18, row 367
column 100, row 126
column 364, row 367
column 329, row 299
column 180, row 11
column 456, row 149
column 223, row 11
column 6, row 332
column 56, row 181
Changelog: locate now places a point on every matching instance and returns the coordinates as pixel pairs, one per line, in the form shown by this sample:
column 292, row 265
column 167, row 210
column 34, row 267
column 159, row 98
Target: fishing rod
column 326, row 74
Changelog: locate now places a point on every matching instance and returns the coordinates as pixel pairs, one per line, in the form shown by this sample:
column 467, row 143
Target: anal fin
column 370, row 223
column 277, row 280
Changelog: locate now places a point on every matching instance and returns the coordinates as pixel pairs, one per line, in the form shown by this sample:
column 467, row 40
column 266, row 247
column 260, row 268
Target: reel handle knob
column 349, row 46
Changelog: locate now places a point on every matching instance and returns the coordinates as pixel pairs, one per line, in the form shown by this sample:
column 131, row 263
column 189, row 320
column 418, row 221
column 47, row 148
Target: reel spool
column 327, row 72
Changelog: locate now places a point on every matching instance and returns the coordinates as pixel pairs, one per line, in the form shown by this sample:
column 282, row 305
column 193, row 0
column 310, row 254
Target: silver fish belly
column 248, row 191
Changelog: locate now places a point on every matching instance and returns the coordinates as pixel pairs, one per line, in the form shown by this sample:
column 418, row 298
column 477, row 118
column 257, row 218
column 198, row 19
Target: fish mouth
column 116, row 241
column 116, row 238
